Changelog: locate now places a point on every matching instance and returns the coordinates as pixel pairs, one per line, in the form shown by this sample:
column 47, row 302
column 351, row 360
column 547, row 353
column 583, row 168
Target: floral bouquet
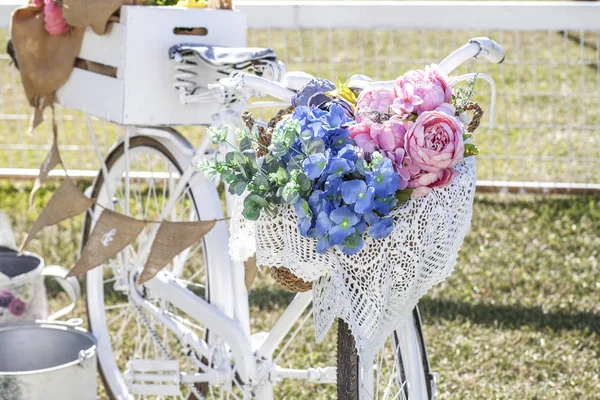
column 367, row 195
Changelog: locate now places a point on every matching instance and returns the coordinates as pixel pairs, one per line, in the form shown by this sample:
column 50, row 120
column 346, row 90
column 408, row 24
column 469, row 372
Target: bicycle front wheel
column 399, row 370
column 140, row 181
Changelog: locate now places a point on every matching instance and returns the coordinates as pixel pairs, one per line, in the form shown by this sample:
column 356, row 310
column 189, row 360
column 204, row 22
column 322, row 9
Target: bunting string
column 113, row 231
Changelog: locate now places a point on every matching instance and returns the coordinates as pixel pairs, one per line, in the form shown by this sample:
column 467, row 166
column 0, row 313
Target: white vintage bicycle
column 186, row 333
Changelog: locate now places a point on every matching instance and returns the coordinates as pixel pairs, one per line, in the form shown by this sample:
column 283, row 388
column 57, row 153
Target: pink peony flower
column 53, row 17
column 390, row 134
column 374, row 100
column 386, row 136
column 361, row 133
column 430, row 86
column 406, row 101
column 17, row 307
column 435, row 141
column 424, row 182
column 402, row 166
column 447, row 108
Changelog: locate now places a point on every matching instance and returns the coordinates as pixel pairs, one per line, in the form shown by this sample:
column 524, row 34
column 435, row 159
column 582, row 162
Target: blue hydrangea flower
column 383, row 205
column 349, row 152
column 338, row 167
column 333, row 190
column 314, row 165
column 361, row 227
column 344, row 219
column 312, row 88
column 336, row 117
column 323, row 244
column 345, row 106
column 304, row 216
column 352, row 244
column 338, row 138
column 384, row 179
column 358, row 193
column 371, row 218
column 382, row 228
column 322, row 225
column 307, row 119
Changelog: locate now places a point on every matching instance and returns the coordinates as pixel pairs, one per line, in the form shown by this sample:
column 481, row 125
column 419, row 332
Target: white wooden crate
column 138, row 46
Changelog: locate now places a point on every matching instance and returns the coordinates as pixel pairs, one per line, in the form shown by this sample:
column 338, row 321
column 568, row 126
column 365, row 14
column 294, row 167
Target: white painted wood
column 509, row 15
column 108, row 49
column 143, row 92
column 150, row 98
column 93, row 93
column 6, row 10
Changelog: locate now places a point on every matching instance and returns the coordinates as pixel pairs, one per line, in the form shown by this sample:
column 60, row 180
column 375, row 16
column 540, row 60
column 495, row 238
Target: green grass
column 547, row 126
column 518, row 319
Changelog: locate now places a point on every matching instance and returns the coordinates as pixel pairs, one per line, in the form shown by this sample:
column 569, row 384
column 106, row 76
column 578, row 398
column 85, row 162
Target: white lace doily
column 375, row 289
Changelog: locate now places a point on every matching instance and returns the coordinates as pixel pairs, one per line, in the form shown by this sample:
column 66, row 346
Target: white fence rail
column 548, row 128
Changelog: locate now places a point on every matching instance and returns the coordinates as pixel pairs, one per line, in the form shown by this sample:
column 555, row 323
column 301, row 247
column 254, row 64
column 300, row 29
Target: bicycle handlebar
column 475, row 48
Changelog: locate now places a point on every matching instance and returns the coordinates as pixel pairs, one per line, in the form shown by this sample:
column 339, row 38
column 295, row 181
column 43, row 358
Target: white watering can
column 47, row 361
column 22, row 289
column 40, row 359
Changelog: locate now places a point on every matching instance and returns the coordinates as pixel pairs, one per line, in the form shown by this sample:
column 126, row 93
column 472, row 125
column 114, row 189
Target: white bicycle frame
column 230, row 321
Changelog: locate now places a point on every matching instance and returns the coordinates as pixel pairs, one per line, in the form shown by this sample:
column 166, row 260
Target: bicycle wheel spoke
column 133, row 332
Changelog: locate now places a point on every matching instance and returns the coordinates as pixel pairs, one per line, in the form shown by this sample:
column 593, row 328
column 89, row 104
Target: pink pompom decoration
column 53, row 17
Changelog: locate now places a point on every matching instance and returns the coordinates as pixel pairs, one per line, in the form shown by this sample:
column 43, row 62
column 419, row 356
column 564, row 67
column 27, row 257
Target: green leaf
column 280, row 177
column 255, row 199
column 210, row 169
column 295, row 164
column 271, row 164
column 290, row 131
column 377, row 159
column 239, row 157
column 230, row 158
column 228, row 176
column 246, row 144
column 255, row 131
column 467, row 136
column 315, row 146
column 362, row 167
column 253, row 204
column 278, row 149
column 290, row 193
column 305, row 136
column 470, row 150
column 304, row 182
column 403, row 195
column 251, row 213
column 260, row 183
column 218, row 135
column 237, row 187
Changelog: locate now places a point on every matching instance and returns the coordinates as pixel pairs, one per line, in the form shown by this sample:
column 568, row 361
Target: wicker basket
column 289, row 281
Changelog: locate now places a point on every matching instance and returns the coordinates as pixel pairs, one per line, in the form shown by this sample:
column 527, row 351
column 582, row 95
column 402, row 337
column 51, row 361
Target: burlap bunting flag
column 94, row 13
column 112, row 233
column 51, row 161
column 250, row 271
column 45, row 61
column 171, row 239
column 66, row 202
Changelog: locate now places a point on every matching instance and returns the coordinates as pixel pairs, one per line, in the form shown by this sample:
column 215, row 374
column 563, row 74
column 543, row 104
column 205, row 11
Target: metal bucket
column 47, row 361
